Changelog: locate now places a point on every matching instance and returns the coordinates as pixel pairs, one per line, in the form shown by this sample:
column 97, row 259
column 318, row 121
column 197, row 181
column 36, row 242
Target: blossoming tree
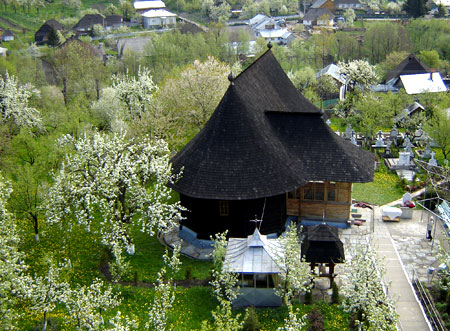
column 14, row 103
column 364, row 294
column 110, row 184
column 12, row 268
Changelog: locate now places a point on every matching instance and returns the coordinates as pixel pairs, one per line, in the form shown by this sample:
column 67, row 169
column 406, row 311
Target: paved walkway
column 403, row 247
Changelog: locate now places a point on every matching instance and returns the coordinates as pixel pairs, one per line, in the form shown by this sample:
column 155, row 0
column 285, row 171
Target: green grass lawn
column 382, row 190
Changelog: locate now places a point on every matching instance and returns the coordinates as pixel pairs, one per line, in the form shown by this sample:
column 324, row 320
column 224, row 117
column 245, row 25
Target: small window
column 224, row 208
column 308, row 192
column 332, row 189
column 318, row 192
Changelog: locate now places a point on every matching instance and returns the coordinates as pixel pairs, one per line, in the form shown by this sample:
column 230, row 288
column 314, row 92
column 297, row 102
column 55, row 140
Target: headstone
column 407, row 197
column 404, row 159
column 338, row 133
column 433, row 161
column 379, row 142
column 426, row 152
column 348, row 132
column 393, row 134
column 406, row 142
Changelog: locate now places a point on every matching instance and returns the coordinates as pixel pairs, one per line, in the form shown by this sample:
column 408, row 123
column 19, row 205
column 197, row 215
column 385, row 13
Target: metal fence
column 428, row 305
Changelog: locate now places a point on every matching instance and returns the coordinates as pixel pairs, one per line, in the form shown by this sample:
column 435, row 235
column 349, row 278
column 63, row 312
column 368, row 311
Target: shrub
column 315, row 319
column 308, row 298
column 335, row 295
column 251, row 320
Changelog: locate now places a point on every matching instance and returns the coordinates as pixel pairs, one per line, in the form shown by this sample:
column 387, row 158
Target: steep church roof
column 265, row 139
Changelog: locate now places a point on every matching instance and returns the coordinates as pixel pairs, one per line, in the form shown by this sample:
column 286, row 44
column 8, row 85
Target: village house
column 342, row 5
column 41, row 35
column 158, row 18
column 7, row 35
column 143, row 6
column 271, row 30
column 87, row 22
column 266, row 153
column 319, row 16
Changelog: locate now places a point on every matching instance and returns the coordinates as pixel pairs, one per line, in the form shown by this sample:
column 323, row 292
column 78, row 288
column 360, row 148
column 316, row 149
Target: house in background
column 319, row 16
column 86, row 24
column 113, row 22
column 266, row 151
column 41, row 35
column 328, row 4
column 409, row 66
column 7, row 35
column 158, row 18
column 423, row 83
column 333, row 71
column 144, row 6
column 271, row 30
column 342, row 5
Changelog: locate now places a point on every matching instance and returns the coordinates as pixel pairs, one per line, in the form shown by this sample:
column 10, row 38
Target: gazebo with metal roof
column 255, row 259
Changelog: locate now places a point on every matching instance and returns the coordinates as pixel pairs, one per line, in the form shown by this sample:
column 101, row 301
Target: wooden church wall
column 207, row 217
column 313, row 199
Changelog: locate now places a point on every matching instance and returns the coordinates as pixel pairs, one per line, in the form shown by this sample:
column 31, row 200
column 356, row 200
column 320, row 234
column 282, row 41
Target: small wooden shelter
column 322, row 247
column 254, row 259
column 266, row 151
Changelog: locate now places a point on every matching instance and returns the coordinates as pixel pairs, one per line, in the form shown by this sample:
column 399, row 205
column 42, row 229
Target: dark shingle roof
column 113, row 20
column 322, row 244
column 265, row 139
column 89, row 20
column 41, row 35
column 409, row 66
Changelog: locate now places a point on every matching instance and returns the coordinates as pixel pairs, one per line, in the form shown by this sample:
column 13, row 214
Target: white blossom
column 46, row 291
column 117, row 183
column 86, row 303
column 358, row 72
column 293, row 322
column 225, row 289
column 296, row 274
column 12, row 267
column 364, row 293
column 122, row 323
column 135, row 94
column 14, row 99
column 164, row 292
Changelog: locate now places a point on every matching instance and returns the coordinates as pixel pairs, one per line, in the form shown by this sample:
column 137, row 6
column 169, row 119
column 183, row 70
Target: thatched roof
column 265, row 139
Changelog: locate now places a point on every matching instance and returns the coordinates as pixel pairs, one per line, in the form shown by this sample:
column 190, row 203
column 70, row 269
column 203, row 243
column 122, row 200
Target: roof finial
column 231, row 78
column 269, row 45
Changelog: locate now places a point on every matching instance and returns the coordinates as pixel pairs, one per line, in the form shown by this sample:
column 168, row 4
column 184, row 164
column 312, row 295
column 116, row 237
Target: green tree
column 438, row 128
column 415, row 8
column 431, row 58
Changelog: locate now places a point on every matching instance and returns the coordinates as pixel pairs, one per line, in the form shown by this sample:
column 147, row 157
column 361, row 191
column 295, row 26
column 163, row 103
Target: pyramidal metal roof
column 265, row 139
column 254, row 254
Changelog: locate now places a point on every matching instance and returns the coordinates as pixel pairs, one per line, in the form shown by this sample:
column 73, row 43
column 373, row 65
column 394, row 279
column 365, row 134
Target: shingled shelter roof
column 322, row 244
column 409, row 66
column 265, row 139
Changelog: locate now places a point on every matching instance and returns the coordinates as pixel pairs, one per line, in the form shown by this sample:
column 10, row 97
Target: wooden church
column 266, row 153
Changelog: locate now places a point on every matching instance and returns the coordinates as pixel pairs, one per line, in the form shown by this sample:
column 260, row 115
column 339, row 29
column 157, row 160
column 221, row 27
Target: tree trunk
column 64, row 91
